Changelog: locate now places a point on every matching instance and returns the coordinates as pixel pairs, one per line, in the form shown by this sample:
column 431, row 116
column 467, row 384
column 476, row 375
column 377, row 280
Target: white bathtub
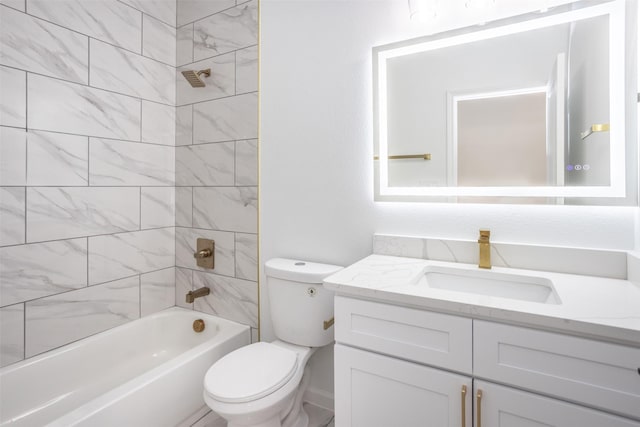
column 148, row 372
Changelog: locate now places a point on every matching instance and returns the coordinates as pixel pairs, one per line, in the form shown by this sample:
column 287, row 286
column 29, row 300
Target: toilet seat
column 250, row 373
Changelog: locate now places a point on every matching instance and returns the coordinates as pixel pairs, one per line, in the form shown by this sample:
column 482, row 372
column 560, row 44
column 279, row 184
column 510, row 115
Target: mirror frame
column 617, row 102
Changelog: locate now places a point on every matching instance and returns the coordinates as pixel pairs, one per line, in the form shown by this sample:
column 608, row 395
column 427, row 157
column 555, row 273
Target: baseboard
column 319, row 398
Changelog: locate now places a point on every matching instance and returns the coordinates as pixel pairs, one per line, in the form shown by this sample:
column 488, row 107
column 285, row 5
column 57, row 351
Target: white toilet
column 261, row 385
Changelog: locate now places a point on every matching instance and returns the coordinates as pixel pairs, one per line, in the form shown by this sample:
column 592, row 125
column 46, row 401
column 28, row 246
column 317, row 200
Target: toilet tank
column 299, row 304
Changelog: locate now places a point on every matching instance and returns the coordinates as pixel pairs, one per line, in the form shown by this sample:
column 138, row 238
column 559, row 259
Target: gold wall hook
column 604, row 127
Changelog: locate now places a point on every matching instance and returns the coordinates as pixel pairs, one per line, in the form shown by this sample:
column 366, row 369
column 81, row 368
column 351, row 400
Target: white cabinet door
column 593, row 373
column 507, row 407
column 372, row 390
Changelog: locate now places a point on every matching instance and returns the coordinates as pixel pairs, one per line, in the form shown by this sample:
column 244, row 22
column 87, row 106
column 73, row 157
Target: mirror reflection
column 530, row 106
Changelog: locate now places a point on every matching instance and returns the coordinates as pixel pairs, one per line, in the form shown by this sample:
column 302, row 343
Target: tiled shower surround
column 111, row 165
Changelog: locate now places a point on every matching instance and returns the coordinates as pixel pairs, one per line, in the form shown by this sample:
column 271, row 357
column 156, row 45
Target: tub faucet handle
column 203, row 253
column 205, row 249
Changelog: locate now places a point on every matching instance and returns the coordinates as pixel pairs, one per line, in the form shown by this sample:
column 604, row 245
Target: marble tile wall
column 87, row 169
column 216, row 155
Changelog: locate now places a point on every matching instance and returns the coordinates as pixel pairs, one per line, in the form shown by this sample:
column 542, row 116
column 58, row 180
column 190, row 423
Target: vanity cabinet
column 502, row 406
column 376, row 390
column 402, row 366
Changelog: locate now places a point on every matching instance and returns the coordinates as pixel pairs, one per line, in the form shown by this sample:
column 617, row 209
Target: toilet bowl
column 262, row 385
column 258, row 385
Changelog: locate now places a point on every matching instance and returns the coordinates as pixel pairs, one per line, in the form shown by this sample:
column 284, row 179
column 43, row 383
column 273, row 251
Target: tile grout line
column 111, row 43
column 86, row 86
column 206, row 58
column 24, row 329
column 95, row 285
column 87, row 262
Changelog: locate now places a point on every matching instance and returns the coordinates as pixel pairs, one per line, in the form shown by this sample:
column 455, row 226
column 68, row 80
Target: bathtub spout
column 192, row 295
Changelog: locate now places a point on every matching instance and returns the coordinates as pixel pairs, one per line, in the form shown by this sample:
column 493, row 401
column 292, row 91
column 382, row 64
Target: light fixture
column 423, row 10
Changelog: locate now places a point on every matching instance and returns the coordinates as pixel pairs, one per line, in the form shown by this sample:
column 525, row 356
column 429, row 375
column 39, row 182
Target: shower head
column 193, row 77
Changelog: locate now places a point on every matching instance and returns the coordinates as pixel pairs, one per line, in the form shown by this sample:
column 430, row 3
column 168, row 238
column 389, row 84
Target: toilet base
column 301, row 421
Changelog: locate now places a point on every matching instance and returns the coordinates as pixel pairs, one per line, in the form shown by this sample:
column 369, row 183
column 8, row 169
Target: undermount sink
column 491, row 283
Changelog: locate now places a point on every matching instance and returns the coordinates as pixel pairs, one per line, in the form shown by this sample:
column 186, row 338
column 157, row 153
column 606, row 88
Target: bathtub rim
column 229, row 330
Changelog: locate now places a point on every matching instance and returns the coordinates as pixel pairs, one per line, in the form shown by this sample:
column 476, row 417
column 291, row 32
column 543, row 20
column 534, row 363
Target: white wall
column 316, row 148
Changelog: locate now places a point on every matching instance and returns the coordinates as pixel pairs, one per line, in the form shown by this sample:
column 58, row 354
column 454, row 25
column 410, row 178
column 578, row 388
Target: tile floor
column 318, row 417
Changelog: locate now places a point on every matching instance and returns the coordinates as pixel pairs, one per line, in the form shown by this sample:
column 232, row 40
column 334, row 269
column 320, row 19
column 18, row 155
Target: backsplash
column 217, row 156
column 87, row 168
column 591, row 262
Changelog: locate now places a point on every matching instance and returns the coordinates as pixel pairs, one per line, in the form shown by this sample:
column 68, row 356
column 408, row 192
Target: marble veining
column 192, row 10
column 59, row 106
column 184, row 206
column 41, row 269
column 12, row 215
column 226, row 119
column 35, row 45
column 129, row 163
column 57, row 159
column 110, row 21
column 120, row 255
column 219, row 84
column 230, row 298
column 247, row 256
column 207, row 164
column 224, row 249
column 13, row 156
column 121, row 71
column 184, row 45
column 247, row 70
column 67, row 212
column 157, row 291
column 11, row 334
column 13, row 102
column 247, row 162
column 563, row 260
column 184, row 125
column 158, row 123
column 184, row 284
column 60, row 319
column 226, row 208
column 157, row 205
column 158, row 40
column 164, row 10
column 229, row 30
column 16, row 4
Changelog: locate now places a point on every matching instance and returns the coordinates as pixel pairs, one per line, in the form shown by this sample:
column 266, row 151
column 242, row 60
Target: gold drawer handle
column 479, row 408
column 463, row 395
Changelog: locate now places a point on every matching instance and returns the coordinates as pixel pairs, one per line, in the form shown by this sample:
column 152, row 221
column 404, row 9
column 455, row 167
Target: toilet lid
column 250, row 373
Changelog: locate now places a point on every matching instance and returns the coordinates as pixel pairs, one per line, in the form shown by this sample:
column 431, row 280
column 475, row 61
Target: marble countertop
column 596, row 307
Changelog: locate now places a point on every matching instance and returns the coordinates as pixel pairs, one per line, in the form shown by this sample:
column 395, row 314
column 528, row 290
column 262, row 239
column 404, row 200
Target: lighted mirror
column 531, row 110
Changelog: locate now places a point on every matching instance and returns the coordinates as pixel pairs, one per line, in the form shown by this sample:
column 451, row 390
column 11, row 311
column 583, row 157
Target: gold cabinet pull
column 479, row 408
column 463, row 396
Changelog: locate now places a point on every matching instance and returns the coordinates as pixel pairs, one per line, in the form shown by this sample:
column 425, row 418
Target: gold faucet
column 485, row 249
column 192, row 295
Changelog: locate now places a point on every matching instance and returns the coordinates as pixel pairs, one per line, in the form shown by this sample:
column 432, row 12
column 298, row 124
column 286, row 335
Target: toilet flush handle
column 328, row 323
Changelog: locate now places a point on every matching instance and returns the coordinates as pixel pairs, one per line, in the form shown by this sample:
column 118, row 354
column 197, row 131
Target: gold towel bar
column 426, row 156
